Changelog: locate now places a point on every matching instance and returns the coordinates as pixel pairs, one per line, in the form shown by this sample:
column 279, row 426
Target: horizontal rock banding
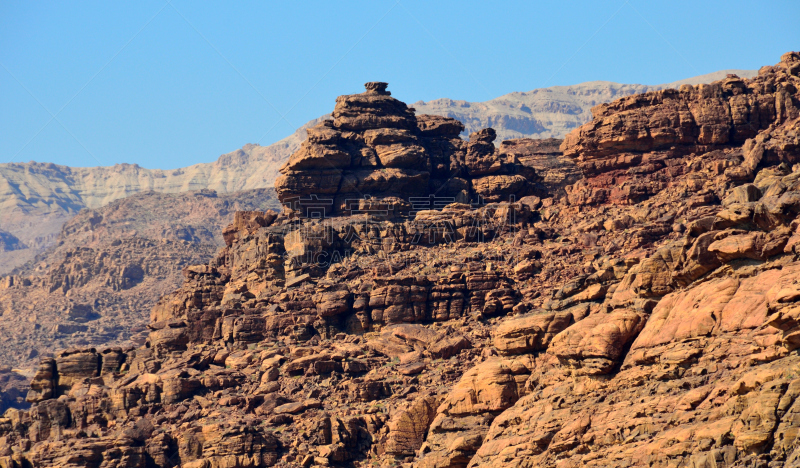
column 632, row 148
column 375, row 148
column 657, row 324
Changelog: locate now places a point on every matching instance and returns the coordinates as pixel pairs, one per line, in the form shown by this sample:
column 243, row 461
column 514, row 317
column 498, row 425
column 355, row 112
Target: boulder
column 530, row 333
column 408, row 426
column 595, row 344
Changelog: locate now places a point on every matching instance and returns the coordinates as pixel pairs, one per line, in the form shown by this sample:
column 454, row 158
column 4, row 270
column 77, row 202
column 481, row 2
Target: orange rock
column 408, row 426
column 530, row 333
column 594, row 345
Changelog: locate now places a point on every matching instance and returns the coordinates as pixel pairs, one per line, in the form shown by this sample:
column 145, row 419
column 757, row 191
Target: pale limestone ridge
column 37, row 198
column 33, row 185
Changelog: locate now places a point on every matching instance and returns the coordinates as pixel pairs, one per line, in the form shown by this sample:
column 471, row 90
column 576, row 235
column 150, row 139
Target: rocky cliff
column 598, row 326
column 377, row 154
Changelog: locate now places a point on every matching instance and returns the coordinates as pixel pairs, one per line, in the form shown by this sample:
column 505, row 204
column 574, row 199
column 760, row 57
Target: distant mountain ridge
column 36, row 199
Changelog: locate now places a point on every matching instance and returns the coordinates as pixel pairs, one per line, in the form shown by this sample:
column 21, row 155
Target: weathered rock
column 76, row 365
column 297, row 407
column 43, row 385
column 375, row 148
column 530, row 333
column 408, row 426
column 595, row 344
column 553, row 171
column 655, row 323
column 632, row 142
column 463, row 418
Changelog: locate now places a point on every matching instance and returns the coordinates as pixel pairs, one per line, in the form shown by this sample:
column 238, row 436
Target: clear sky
column 166, row 84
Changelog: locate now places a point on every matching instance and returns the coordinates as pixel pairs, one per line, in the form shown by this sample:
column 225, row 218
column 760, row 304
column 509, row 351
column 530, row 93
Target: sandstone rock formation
column 606, row 327
column 634, row 145
column 376, row 155
column 36, row 199
column 548, row 112
column 553, row 170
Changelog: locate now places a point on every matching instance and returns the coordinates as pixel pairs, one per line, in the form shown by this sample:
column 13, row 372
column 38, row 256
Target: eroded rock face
column 530, row 333
column 553, row 170
column 659, row 330
column 464, row 418
column 376, row 155
column 593, row 345
column 633, row 147
column 408, row 427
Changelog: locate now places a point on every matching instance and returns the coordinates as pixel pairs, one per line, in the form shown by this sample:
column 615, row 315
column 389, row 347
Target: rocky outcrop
column 633, row 147
column 551, row 112
column 530, row 333
column 293, row 255
column 553, row 170
column 464, row 418
column 660, row 331
column 377, row 156
column 52, row 194
column 693, row 314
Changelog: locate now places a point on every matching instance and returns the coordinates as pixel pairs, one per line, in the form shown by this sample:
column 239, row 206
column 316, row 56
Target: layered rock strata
column 376, row 155
column 659, row 330
column 635, row 145
column 51, row 194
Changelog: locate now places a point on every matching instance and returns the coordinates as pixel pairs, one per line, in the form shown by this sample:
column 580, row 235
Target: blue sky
column 169, row 84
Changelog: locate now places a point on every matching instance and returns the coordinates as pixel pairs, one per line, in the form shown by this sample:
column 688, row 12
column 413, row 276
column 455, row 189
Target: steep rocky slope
column 109, row 267
column 647, row 317
column 37, row 198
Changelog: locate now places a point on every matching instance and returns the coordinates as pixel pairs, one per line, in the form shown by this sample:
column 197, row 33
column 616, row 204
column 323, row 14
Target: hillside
column 36, row 199
column 108, row 268
column 648, row 317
